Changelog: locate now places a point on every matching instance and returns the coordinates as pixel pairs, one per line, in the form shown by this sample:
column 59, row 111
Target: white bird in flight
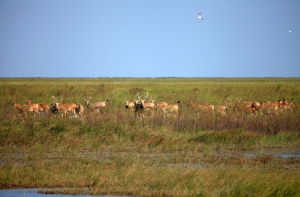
column 200, row 16
column 290, row 31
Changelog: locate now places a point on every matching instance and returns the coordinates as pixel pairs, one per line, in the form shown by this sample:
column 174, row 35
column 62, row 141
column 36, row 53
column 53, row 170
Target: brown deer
column 203, row 108
column 269, row 107
column 43, row 107
column 79, row 110
column 63, row 108
column 285, row 105
column 98, row 106
column 139, row 106
column 25, row 108
column 247, row 106
column 171, row 109
column 162, row 106
column 130, row 105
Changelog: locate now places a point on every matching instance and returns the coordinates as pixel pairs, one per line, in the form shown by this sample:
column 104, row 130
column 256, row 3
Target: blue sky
column 149, row 38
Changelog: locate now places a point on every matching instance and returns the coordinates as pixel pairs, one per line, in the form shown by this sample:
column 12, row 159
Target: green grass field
column 206, row 154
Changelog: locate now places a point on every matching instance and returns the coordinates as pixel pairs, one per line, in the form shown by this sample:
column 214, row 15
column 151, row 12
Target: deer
column 269, row 107
column 162, row 106
column 221, row 109
column 63, row 108
column 170, row 109
column 173, row 107
column 247, row 106
column 285, row 105
column 79, row 110
column 148, row 105
column 139, row 105
column 204, row 107
column 96, row 105
column 43, row 107
column 130, row 105
column 24, row 108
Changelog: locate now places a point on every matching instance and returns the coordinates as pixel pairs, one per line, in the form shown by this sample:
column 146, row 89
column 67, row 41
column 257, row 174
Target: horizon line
column 132, row 77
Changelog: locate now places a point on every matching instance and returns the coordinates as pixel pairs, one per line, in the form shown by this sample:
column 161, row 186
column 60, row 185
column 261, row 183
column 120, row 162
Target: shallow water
column 162, row 159
column 35, row 193
column 279, row 155
column 288, row 155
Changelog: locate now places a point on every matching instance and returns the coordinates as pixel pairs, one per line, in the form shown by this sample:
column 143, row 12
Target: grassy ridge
column 195, row 155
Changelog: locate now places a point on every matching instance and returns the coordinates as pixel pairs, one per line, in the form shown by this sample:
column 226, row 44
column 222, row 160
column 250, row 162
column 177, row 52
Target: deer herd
column 140, row 107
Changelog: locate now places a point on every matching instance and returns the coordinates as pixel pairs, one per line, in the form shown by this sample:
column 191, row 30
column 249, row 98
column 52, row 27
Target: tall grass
column 119, row 124
column 193, row 139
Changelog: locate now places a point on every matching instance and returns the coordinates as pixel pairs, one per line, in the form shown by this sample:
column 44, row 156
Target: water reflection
column 35, row 193
column 279, row 155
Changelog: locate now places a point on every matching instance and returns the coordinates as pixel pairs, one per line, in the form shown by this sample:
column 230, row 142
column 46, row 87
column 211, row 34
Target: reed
column 196, row 153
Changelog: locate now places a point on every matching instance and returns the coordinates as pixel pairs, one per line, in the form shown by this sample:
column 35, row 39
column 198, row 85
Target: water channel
column 36, row 193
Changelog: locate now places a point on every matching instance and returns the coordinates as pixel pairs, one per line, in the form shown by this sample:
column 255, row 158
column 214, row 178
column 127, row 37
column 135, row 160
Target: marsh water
column 36, row 193
column 287, row 157
column 165, row 159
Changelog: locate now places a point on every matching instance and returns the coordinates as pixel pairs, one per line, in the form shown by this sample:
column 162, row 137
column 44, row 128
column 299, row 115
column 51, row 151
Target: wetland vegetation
column 196, row 153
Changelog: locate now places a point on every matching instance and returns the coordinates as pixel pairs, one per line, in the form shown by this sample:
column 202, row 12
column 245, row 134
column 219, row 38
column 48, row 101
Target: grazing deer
column 100, row 105
column 63, row 108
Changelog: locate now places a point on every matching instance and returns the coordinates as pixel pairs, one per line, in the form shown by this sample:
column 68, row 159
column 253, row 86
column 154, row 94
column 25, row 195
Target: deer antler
column 138, row 96
column 151, row 99
column 28, row 101
column 61, row 99
column 53, row 99
column 146, row 96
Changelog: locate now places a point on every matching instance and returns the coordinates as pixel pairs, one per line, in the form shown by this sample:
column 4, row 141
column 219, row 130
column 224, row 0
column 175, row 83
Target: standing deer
column 100, row 105
column 161, row 104
column 222, row 108
column 139, row 105
column 149, row 105
column 43, row 107
column 79, row 110
column 62, row 108
column 172, row 109
column 203, row 108
column 247, row 106
column 130, row 105
column 285, row 105
column 24, row 108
